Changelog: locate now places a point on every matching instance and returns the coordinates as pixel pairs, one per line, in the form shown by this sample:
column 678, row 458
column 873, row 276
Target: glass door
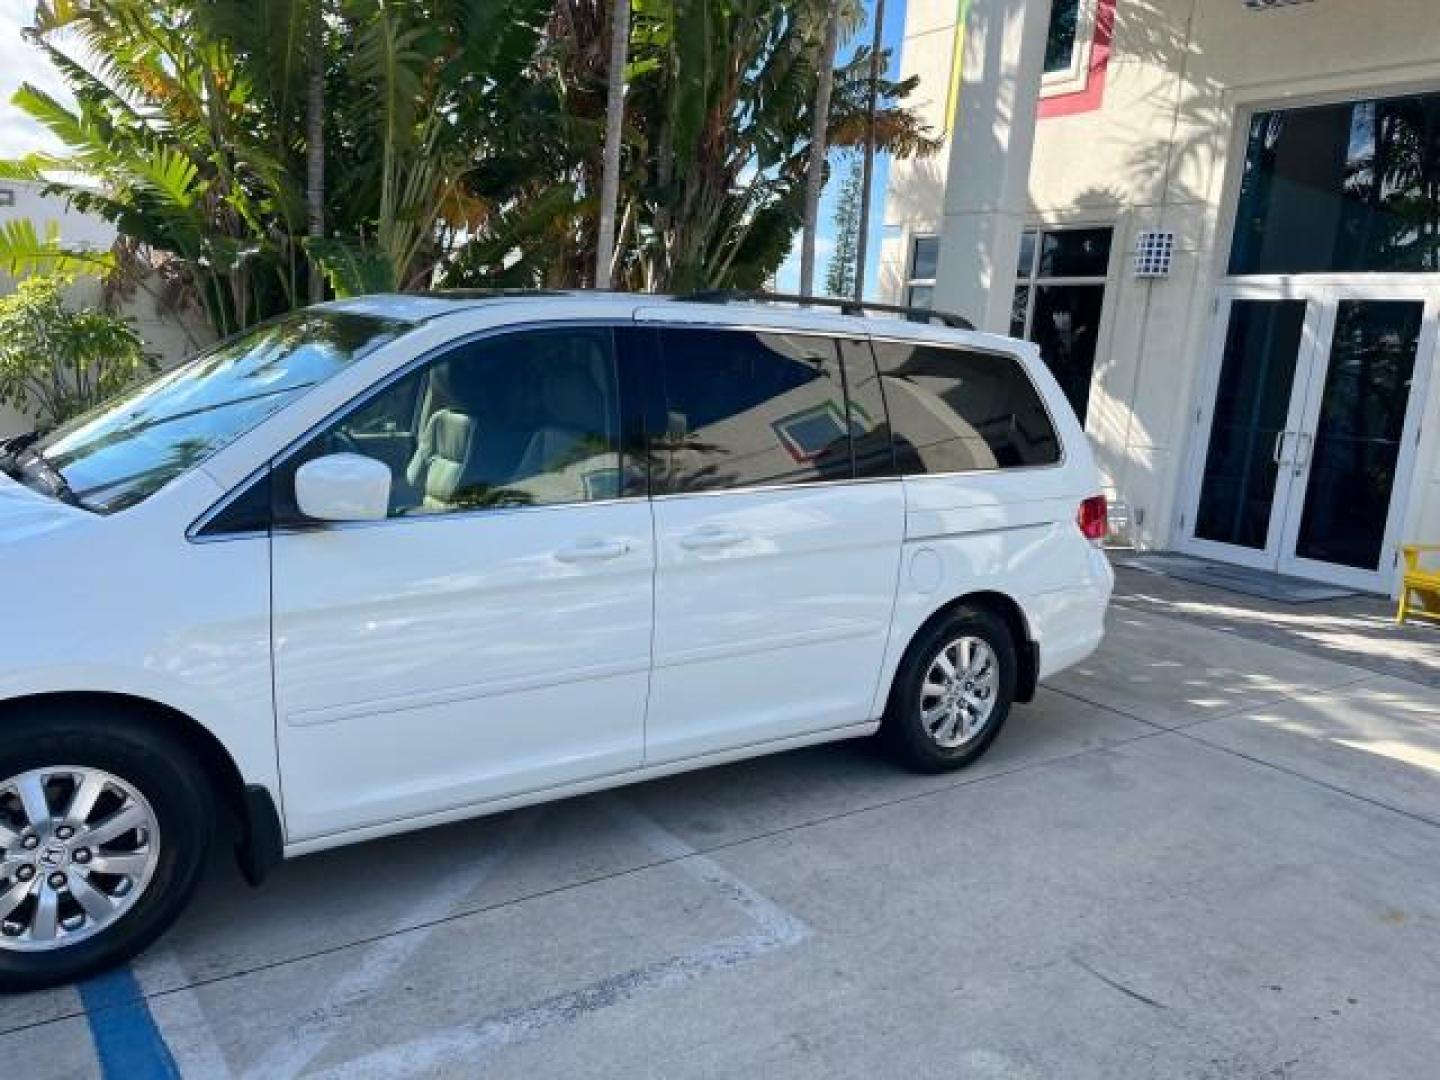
column 1311, row 429
column 1243, row 483
column 1357, row 437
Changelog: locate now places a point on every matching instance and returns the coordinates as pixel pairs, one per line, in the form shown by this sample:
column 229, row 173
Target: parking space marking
column 473, row 1043
column 127, row 1042
column 179, row 1014
column 313, row 1032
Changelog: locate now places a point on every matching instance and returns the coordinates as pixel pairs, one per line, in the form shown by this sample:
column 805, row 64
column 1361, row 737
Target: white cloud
column 21, row 62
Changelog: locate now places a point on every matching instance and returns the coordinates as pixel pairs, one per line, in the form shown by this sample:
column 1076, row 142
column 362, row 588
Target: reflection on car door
column 776, row 569
column 492, row 636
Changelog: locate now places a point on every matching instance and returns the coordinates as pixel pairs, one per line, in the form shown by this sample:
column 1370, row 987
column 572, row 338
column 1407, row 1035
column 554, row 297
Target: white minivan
column 396, row 561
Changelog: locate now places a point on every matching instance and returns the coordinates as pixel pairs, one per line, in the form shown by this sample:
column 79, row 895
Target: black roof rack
column 847, row 307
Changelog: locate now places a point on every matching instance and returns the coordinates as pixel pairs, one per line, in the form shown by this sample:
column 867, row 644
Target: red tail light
column 1094, row 519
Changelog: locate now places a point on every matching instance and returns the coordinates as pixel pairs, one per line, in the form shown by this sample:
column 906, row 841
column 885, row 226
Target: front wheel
column 104, row 829
column 953, row 692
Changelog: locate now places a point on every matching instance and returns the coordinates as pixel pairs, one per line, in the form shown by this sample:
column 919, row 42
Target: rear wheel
column 953, row 691
column 104, row 828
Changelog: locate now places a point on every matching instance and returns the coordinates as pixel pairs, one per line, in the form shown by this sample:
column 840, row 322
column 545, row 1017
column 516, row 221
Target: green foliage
column 840, row 274
column 57, row 361
column 462, row 140
column 24, row 251
column 350, row 268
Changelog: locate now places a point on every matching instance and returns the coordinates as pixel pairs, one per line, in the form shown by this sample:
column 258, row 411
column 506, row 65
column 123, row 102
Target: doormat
column 1240, row 579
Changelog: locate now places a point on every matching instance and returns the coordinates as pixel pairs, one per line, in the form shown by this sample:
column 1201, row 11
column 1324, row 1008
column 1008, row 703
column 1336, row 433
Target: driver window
column 527, row 419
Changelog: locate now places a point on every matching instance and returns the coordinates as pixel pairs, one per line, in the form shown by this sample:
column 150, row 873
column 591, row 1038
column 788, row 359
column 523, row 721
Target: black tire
column 904, row 732
column 169, row 779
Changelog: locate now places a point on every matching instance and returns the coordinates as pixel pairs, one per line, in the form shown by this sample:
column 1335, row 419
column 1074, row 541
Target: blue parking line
column 127, row 1041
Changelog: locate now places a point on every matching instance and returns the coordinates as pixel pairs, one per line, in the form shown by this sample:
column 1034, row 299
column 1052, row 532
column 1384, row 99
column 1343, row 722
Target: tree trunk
column 862, row 251
column 614, row 122
column 815, row 174
column 315, row 143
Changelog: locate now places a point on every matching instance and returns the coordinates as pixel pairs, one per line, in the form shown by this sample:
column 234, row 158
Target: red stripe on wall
column 1093, row 96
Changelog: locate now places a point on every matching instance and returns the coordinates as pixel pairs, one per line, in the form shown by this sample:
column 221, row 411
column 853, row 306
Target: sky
column 20, row 62
column 788, row 279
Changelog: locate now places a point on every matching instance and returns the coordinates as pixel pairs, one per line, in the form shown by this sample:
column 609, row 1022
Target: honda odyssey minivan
column 401, row 560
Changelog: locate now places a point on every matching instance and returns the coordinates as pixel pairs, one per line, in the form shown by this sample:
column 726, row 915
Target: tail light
column 1094, row 519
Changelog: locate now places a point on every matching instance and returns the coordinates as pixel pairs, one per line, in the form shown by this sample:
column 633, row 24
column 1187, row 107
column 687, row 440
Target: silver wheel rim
column 957, row 698
column 78, row 847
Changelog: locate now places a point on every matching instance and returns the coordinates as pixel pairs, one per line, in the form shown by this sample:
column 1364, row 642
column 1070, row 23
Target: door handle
column 710, row 539
column 1302, row 458
column 1278, row 454
column 593, row 551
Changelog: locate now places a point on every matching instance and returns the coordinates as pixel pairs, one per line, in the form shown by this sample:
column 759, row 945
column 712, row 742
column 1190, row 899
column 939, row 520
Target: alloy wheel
column 958, row 695
column 78, row 846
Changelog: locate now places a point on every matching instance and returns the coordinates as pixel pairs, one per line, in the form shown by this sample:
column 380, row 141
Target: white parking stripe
column 181, row 1018
column 309, row 1036
column 473, row 1043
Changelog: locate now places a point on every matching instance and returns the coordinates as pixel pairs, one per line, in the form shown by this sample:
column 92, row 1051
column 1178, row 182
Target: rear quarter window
column 961, row 410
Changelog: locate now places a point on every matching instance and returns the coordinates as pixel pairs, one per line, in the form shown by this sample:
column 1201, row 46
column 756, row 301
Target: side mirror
column 343, row 487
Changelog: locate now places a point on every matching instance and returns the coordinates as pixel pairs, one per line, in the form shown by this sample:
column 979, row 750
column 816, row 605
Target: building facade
column 1220, row 219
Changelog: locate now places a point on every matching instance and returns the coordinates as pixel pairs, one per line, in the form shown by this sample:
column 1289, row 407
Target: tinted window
column 1063, row 33
column 526, row 419
column 1075, row 253
column 869, row 425
column 745, row 409
column 1066, row 326
column 957, row 411
column 1352, row 187
column 927, row 257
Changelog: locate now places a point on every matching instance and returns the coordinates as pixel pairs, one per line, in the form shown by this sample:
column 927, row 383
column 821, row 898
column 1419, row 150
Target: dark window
column 1336, row 188
column 1066, row 326
column 1025, row 264
column 746, row 408
column 1058, row 302
column 526, row 419
column 1064, row 32
column 926, row 258
column 953, row 410
column 248, row 512
column 1067, row 253
column 869, row 424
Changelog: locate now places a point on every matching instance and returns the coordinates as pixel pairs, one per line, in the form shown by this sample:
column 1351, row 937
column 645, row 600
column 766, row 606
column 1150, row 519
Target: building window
column 1059, row 297
column 1063, row 38
column 1352, row 188
column 924, row 261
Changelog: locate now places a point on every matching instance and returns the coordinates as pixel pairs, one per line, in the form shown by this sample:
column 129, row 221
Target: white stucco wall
column 169, row 336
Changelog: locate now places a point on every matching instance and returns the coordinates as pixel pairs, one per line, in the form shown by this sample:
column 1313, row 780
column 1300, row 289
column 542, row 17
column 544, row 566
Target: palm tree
column 815, row 173
column 315, row 141
column 166, row 142
column 722, row 108
column 614, row 120
column 862, row 247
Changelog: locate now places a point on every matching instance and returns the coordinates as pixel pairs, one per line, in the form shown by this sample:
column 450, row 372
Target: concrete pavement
column 1195, row 855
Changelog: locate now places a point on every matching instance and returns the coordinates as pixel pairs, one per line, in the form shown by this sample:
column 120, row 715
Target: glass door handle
column 1278, row 454
column 1302, row 459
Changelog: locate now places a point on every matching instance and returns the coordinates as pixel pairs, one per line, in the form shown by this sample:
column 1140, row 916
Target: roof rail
column 847, row 307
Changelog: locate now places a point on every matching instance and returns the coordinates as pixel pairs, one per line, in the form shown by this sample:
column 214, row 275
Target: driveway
column 1199, row 855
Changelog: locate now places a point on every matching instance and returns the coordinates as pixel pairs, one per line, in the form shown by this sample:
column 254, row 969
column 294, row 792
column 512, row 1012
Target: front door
column 1311, row 431
column 492, row 636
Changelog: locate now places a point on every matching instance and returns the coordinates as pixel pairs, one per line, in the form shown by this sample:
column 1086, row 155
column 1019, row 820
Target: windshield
column 130, row 447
